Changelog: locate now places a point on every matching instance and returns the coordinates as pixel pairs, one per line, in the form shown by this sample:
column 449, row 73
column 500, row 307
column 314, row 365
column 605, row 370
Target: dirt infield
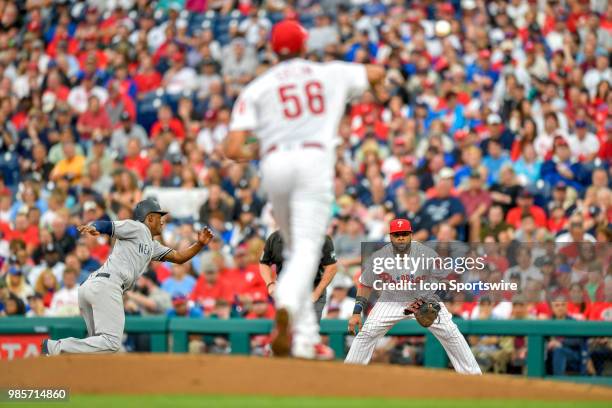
column 229, row 375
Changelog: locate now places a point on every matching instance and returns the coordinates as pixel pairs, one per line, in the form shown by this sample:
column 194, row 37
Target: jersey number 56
column 291, row 97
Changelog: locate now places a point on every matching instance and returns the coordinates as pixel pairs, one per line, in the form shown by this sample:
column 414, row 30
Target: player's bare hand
column 355, row 323
column 88, row 229
column 205, row 235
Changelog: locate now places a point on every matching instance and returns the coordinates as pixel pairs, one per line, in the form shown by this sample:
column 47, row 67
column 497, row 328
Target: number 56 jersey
column 298, row 101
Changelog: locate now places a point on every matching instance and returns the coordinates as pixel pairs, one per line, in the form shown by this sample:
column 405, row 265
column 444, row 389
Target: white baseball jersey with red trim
column 298, row 101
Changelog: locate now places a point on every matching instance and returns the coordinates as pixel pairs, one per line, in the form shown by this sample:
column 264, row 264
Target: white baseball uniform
column 389, row 309
column 101, row 295
column 294, row 110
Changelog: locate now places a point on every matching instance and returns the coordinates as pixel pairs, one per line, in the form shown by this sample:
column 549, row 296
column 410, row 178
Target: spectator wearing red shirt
column 134, row 160
column 25, row 232
column 260, row 308
column 94, row 119
column 526, row 206
column 147, row 79
column 56, row 87
column 244, row 278
column 209, row 288
column 475, row 198
column 167, row 122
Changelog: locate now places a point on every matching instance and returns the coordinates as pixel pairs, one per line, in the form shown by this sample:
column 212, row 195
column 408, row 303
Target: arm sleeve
column 353, row 76
column 266, row 256
column 329, row 254
column 104, row 227
column 244, row 113
column 159, row 251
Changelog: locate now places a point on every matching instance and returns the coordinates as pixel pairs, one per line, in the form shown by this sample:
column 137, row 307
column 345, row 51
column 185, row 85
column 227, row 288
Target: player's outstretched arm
column 97, row 228
column 182, row 256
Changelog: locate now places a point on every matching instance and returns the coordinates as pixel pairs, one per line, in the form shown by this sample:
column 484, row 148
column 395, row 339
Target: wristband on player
column 360, row 304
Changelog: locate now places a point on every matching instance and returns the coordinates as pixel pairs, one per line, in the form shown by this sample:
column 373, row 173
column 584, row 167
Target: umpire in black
column 273, row 255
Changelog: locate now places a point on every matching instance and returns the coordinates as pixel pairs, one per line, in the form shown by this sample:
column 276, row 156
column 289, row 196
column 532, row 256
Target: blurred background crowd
column 496, row 129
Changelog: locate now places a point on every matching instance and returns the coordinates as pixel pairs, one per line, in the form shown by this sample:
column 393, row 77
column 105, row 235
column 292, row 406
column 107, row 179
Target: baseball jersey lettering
column 298, row 101
column 132, row 252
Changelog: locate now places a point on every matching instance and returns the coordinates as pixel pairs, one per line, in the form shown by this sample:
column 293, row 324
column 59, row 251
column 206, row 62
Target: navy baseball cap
column 146, row 207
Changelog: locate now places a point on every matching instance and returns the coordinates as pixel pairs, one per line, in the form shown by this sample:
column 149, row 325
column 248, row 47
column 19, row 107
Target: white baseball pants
column 298, row 183
column 385, row 315
column 101, row 304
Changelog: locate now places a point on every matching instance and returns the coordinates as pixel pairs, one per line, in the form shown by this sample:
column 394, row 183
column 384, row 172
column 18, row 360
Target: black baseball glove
column 425, row 311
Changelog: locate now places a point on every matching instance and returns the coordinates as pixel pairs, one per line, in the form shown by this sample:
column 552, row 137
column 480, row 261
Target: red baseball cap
column 400, row 225
column 288, row 37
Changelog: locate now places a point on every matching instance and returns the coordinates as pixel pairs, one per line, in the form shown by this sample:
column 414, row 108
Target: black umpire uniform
column 273, row 255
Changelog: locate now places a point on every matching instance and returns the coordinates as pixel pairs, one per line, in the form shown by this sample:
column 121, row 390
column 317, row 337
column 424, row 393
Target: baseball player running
column 393, row 306
column 294, row 110
column 273, row 255
column 101, row 295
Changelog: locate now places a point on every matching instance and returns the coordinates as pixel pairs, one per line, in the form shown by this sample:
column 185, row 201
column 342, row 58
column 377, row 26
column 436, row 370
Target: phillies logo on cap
column 400, row 225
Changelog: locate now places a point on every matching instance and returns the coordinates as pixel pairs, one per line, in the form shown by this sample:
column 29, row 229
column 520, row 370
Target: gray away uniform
column 101, row 296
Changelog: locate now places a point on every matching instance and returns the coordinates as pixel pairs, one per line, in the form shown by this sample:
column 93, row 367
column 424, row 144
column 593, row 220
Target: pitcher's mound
column 233, row 375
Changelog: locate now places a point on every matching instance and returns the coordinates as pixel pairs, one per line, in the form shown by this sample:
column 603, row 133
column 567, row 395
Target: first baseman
column 101, row 295
column 394, row 306
column 294, row 110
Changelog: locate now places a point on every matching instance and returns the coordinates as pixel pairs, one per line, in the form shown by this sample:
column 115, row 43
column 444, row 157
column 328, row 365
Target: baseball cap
column 561, row 185
column 15, row 271
column 146, row 207
column 494, row 119
column 152, row 276
column 243, row 184
column 288, row 37
column 446, row 173
column 50, row 248
column 581, row 124
column 89, row 205
column 400, row 225
column 526, row 194
column 565, row 268
column 179, row 299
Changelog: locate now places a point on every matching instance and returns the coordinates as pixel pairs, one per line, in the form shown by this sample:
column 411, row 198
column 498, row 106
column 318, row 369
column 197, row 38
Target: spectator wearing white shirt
column 575, row 232
column 339, row 305
column 253, row 26
column 179, row 78
column 601, row 72
column 78, row 98
column 65, row 301
column 524, row 268
column 583, row 144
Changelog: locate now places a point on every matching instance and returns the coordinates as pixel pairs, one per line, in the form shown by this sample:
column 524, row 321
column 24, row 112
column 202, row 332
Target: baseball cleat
column 281, row 336
column 44, row 349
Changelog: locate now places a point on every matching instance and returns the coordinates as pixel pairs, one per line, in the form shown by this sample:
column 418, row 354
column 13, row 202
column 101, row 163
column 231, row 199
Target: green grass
column 153, row 401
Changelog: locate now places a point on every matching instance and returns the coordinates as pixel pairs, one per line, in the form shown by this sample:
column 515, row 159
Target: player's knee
column 113, row 344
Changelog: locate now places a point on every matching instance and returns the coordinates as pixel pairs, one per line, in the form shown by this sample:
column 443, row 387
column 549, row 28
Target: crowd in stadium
column 496, row 128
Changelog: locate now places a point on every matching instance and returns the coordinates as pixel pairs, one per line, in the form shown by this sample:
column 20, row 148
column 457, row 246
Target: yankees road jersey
column 425, row 271
column 298, row 101
column 273, row 255
column 132, row 252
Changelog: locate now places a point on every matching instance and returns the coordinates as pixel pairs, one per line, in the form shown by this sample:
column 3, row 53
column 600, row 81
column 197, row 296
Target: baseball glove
column 425, row 311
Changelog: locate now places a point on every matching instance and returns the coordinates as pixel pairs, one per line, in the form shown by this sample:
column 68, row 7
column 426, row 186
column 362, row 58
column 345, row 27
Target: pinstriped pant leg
column 381, row 319
column 457, row 349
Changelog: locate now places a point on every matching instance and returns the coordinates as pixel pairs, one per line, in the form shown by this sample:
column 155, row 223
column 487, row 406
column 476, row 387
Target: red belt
column 306, row 145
